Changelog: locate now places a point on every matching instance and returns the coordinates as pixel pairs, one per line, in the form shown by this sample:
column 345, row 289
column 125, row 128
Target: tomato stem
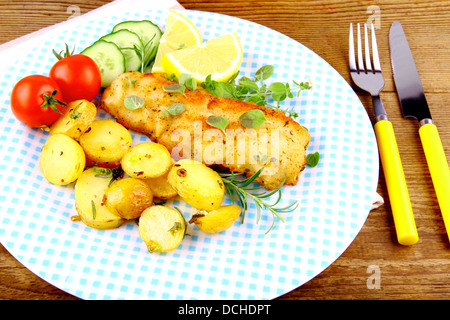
column 50, row 101
column 60, row 55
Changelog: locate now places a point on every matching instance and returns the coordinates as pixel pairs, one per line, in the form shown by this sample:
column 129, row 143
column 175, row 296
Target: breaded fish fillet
column 279, row 144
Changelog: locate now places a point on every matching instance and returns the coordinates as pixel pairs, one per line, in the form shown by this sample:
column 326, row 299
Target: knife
column 414, row 104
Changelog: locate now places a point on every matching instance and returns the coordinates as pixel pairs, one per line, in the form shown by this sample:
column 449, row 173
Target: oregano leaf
column 218, row 122
column 252, row 118
column 312, row 159
column 175, row 109
column 133, row 102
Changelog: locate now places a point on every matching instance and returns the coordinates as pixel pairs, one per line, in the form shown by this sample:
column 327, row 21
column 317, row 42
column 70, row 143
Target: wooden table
column 421, row 271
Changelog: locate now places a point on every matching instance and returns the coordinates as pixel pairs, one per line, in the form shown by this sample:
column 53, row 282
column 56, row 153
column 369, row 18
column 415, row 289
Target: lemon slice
column 179, row 33
column 219, row 57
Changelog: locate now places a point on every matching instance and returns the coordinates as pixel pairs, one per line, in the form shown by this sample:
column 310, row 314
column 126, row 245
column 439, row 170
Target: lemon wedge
column 219, row 57
column 179, row 33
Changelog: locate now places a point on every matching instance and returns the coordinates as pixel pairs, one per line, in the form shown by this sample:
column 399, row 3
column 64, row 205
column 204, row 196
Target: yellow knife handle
column 396, row 183
column 439, row 170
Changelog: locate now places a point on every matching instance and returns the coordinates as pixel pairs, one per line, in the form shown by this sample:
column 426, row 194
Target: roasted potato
column 62, row 159
column 90, row 191
column 197, row 184
column 146, row 160
column 161, row 228
column 160, row 187
column 76, row 120
column 129, row 197
column 105, row 143
column 216, row 220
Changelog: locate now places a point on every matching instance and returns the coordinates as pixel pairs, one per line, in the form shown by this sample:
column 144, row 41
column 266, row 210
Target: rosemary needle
column 242, row 190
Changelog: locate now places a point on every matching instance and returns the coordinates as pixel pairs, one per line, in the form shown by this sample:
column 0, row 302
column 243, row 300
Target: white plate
column 241, row 263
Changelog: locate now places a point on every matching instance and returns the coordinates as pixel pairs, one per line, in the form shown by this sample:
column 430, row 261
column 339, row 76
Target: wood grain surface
column 421, row 271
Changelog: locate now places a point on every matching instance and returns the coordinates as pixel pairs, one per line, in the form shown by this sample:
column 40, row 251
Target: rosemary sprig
column 146, row 53
column 243, row 191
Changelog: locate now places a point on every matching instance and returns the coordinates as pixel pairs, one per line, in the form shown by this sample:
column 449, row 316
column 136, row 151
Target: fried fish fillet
column 279, row 144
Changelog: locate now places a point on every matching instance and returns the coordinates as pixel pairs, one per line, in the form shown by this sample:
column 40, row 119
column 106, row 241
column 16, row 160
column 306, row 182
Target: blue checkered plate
column 240, row 263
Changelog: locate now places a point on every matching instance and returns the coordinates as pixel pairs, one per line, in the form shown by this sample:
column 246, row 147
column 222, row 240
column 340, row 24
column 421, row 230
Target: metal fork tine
column 375, row 57
column 351, row 50
column 360, row 55
column 367, row 49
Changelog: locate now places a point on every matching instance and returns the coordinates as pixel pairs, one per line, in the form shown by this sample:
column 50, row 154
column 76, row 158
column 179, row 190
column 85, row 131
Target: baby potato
column 197, row 184
column 160, row 187
column 161, row 228
column 216, row 220
column 76, row 120
column 62, row 159
column 105, row 143
column 146, row 160
column 129, row 197
column 90, row 191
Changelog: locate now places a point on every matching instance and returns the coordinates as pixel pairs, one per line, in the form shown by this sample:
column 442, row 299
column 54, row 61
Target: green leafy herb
column 133, row 102
column 188, row 81
column 264, row 73
column 145, row 52
column 252, row 118
column 74, row 114
column 184, row 220
column 159, row 202
column 171, row 77
column 175, row 88
column 217, row 122
column 175, row 109
column 256, row 90
column 241, row 189
column 94, row 210
column 175, row 228
column 131, row 82
column 312, row 159
column 102, row 172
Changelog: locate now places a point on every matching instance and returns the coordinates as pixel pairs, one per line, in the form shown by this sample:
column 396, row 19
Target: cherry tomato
column 36, row 101
column 78, row 77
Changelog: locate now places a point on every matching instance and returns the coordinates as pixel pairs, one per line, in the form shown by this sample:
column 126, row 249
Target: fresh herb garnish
column 312, row 159
column 252, row 118
column 102, row 172
column 131, row 82
column 75, row 114
column 171, row 77
column 243, row 191
column 217, row 122
column 145, row 54
column 184, row 221
column 256, row 90
column 175, row 88
column 175, row 228
column 133, row 102
column 175, row 109
column 94, row 211
column 188, row 81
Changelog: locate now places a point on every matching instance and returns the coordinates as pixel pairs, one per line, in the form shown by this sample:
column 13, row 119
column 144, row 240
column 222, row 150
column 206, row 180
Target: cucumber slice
column 147, row 31
column 109, row 59
column 126, row 40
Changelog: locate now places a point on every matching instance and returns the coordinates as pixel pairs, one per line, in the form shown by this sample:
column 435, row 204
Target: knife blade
column 414, row 104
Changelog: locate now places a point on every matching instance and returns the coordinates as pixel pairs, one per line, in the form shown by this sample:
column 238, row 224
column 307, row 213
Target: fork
column 369, row 78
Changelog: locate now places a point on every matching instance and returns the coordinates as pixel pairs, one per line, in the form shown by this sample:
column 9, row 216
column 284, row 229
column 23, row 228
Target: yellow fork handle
column 439, row 170
column 396, row 183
